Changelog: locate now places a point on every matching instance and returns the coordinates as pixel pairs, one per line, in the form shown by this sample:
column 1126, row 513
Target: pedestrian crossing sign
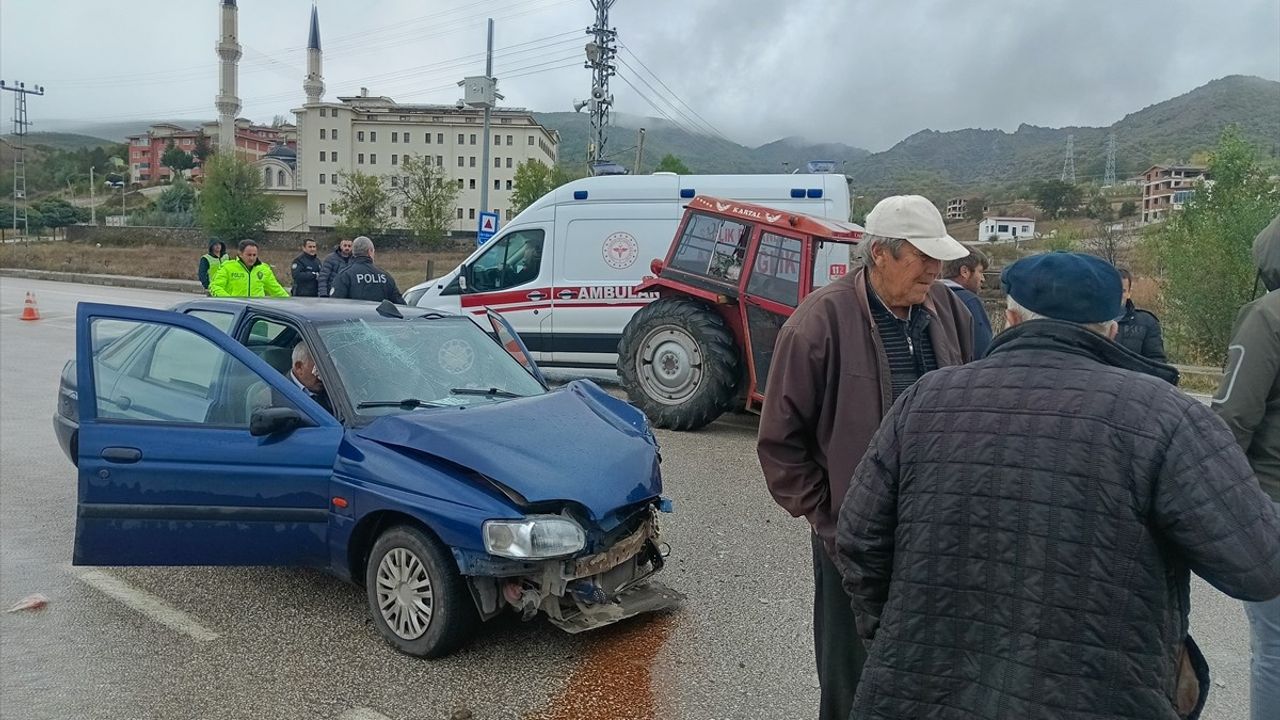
column 488, row 227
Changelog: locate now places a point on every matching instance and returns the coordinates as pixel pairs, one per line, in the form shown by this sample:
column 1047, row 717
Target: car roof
column 311, row 309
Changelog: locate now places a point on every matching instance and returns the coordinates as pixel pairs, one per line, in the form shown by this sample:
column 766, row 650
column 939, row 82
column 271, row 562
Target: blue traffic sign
column 487, row 228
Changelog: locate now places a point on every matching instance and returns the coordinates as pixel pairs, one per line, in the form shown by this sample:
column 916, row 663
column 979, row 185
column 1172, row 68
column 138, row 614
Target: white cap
column 914, row 219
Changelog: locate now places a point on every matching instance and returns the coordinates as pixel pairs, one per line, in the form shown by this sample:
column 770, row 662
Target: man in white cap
column 840, row 361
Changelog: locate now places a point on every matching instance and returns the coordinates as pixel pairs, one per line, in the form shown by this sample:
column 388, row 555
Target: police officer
column 362, row 280
column 306, row 271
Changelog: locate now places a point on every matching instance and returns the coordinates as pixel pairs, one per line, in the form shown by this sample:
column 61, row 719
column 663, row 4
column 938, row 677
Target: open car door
column 511, row 342
column 192, row 450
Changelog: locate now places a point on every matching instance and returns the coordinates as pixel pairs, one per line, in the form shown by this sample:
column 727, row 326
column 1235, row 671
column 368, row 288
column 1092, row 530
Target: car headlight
column 537, row 537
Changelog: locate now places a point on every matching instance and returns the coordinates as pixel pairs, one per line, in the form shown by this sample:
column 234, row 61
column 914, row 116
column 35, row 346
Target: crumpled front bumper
column 588, row 592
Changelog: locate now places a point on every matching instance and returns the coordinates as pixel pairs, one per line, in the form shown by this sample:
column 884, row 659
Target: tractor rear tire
column 679, row 363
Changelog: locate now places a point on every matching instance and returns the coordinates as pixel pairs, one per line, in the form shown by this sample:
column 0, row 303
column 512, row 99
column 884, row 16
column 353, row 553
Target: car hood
column 576, row 444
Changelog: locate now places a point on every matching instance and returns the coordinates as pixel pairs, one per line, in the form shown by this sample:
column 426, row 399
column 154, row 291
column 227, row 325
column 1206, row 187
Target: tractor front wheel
column 679, row 363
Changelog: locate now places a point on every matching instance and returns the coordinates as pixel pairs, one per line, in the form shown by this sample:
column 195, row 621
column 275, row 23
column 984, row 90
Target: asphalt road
column 253, row 642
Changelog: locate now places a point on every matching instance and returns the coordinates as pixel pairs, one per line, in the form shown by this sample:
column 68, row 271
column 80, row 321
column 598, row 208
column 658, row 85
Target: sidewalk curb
column 187, row 286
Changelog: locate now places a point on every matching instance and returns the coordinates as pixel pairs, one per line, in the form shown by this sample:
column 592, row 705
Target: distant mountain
column 930, row 162
column 702, row 153
column 63, row 141
column 116, row 131
column 1173, row 130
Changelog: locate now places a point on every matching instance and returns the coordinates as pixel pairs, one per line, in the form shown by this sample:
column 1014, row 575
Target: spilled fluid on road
column 614, row 679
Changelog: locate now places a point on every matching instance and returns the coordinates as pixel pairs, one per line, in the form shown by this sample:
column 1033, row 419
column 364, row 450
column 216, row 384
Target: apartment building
column 375, row 134
column 1166, row 188
column 957, row 209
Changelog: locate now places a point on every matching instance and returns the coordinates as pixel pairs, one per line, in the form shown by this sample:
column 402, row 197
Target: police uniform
column 362, row 280
column 306, row 275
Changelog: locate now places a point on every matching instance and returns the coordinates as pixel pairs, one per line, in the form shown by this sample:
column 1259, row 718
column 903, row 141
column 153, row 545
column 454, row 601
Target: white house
column 1006, row 228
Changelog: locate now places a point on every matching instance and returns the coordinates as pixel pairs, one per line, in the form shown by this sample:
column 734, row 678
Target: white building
column 1006, row 228
column 374, row 135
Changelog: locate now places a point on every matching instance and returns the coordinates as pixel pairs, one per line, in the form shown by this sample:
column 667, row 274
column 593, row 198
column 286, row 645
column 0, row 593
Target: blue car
column 403, row 449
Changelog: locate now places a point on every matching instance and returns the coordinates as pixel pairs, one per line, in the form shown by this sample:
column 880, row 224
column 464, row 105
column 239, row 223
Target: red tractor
column 734, row 274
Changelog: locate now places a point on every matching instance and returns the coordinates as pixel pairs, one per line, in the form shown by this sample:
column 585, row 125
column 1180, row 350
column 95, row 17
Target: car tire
column 679, row 363
column 401, row 560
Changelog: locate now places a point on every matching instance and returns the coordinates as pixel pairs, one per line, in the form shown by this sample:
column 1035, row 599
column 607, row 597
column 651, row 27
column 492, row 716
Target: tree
column 671, row 163
column 429, row 197
column 362, row 204
column 202, row 150
column 534, row 179
column 180, row 197
column 232, row 204
column 176, row 159
column 974, row 209
column 1105, row 241
column 1099, row 208
column 1128, row 208
column 1205, row 250
column 56, row 213
column 1056, row 197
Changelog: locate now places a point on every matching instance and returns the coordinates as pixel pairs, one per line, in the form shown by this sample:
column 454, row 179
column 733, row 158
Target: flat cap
column 1067, row 286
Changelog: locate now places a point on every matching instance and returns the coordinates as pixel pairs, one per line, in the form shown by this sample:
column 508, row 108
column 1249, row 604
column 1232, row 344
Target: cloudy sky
column 863, row 72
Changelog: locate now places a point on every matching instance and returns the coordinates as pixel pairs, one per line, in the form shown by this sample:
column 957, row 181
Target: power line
column 696, row 128
column 714, row 130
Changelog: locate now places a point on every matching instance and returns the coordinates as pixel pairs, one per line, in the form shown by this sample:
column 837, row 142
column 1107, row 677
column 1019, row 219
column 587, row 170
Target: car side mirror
column 464, row 272
column 272, row 420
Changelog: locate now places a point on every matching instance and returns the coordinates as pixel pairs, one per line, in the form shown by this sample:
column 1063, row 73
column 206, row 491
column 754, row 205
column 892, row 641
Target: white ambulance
column 563, row 271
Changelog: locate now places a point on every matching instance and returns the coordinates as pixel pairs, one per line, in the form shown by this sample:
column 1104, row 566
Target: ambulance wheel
column 679, row 363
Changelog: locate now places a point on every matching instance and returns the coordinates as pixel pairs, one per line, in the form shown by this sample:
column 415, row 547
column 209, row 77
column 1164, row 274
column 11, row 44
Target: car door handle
column 121, row 454
column 566, row 294
column 535, row 295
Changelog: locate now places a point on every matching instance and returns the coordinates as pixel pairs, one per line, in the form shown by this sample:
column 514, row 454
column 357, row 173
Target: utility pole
column 600, row 54
column 482, row 92
column 1109, row 175
column 20, row 124
column 639, row 151
column 1069, row 162
column 93, row 202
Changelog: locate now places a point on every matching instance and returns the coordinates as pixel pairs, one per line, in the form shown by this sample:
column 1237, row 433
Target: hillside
column 702, row 153
column 931, row 162
column 62, row 141
column 1174, row 129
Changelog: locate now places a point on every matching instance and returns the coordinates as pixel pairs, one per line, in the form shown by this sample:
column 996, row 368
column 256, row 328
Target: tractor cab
column 733, row 275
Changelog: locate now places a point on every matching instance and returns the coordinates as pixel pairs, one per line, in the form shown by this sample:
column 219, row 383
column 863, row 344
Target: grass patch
column 407, row 266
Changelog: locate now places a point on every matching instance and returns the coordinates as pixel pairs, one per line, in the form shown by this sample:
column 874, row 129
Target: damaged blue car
column 405, row 450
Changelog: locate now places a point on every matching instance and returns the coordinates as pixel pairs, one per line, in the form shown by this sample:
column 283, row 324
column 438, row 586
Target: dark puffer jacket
column 1018, row 539
column 1140, row 332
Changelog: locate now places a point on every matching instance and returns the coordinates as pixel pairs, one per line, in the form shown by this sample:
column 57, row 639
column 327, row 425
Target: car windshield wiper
column 491, row 392
column 407, row 404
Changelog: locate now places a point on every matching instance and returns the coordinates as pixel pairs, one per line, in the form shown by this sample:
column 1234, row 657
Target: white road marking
column 145, row 603
column 362, row 713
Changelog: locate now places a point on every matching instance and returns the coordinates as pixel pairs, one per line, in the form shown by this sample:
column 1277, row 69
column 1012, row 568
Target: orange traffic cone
column 29, row 311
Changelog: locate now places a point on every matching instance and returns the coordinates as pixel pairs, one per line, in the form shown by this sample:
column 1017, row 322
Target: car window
column 117, row 341
column 183, row 359
column 776, row 274
column 176, row 376
column 266, row 331
column 514, row 260
column 220, row 320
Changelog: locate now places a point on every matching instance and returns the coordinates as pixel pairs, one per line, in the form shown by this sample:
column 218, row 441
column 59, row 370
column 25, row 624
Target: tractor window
column 713, row 247
column 777, row 270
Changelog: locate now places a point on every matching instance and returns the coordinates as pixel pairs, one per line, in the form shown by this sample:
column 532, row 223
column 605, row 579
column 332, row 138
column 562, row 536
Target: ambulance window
column 776, row 275
column 515, row 259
